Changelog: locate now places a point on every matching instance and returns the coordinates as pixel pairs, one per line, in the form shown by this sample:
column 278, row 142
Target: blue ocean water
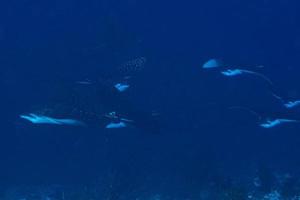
column 186, row 132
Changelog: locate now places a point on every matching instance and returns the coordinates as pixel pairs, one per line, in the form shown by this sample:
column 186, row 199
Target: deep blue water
column 201, row 141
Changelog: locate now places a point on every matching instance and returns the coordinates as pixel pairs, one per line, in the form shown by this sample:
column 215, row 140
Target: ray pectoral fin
column 37, row 119
column 113, row 125
column 121, row 87
column 42, row 119
column 276, row 122
column 292, row 104
column 29, row 118
column 270, row 123
column 232, row 72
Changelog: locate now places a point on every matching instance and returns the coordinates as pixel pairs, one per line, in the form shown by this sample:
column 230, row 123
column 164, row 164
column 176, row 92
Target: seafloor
column 264, row 186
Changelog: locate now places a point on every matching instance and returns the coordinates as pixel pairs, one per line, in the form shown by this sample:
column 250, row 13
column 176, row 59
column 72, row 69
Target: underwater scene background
column 108, row 99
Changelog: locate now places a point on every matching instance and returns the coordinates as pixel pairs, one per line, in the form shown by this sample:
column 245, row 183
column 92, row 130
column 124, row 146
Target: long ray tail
column 290, row 120
column 249, row 110
column 276, row 96
column 268, row 80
